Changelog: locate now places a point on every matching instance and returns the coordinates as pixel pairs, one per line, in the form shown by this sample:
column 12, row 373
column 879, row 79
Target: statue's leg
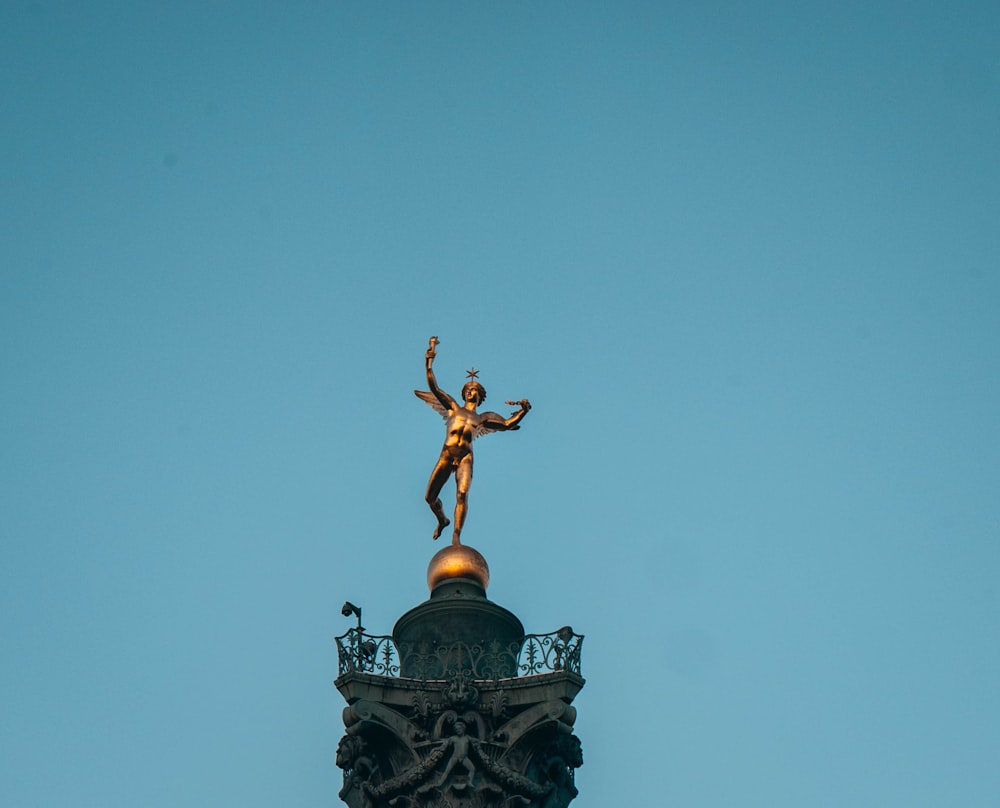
column 438, row 478
column 445, row 773
column 463, row 479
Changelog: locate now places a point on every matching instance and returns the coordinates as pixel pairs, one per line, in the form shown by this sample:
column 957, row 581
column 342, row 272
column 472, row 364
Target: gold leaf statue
column 463, row 427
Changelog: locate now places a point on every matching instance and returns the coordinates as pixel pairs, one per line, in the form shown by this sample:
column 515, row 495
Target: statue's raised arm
column 464, row 424
column 446, row 401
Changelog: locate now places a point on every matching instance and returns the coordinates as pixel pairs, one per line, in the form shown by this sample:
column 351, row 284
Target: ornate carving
column 498, row 704
column 459, row 691
column 358, row 766
column 563, row 756
column 421, row 704
column 455, row 751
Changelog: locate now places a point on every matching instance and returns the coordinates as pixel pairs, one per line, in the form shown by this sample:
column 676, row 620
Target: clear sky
column 742, row 258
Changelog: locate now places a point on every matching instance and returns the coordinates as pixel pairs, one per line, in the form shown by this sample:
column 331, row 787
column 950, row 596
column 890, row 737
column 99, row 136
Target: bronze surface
column 464, row 425
column 458, row 561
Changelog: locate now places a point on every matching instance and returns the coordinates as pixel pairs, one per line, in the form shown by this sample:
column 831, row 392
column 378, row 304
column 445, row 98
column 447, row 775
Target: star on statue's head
column 472, row 374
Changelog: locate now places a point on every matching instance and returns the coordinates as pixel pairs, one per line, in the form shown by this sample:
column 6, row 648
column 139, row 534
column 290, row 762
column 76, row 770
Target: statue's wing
column 430, row 398
column 492, row 422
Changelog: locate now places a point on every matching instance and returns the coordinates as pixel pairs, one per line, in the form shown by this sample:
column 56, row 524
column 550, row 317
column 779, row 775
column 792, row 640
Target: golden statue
column 464, row 426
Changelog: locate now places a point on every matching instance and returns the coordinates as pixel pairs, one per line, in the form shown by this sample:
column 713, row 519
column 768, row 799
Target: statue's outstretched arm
column 515, row 418
column 446, row 401
column 494, row 422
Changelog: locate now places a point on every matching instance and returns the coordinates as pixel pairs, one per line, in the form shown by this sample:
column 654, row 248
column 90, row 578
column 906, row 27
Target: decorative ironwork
column 357, row 651
column 558, row 651
column 537, row 653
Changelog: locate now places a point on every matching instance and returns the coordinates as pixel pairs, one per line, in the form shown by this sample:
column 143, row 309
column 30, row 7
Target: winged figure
column 464, row 425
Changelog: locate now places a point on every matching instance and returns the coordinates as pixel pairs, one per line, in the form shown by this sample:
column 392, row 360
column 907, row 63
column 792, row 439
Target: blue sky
column 742, row 258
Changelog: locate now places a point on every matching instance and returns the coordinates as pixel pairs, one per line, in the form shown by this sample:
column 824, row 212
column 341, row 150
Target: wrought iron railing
column 357, row 651
column 536, row 653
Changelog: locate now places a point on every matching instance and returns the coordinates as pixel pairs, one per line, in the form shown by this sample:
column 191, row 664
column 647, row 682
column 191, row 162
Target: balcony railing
column 536, row 653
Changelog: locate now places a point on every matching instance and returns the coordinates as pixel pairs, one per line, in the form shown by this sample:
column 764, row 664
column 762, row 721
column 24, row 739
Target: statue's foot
column 456, row 537
column 441, row 526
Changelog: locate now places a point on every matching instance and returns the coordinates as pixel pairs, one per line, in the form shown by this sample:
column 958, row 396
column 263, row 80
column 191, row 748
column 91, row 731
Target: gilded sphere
column 457, row 561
